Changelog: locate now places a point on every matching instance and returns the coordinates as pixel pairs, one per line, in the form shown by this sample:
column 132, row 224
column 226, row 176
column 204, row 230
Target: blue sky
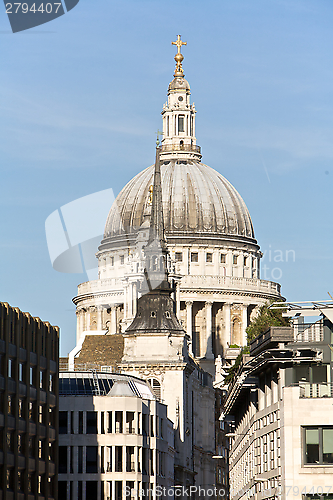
column 80, row 103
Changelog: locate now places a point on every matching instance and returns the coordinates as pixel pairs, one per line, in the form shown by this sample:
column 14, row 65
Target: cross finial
column 179, row 56
column 158, row 133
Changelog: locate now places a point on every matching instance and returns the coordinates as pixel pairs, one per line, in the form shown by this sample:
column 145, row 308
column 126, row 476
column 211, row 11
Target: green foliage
column 234, row 368
column 266, row 318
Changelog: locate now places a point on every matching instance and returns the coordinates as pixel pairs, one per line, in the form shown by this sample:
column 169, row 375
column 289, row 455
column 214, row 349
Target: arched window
column 156, row 386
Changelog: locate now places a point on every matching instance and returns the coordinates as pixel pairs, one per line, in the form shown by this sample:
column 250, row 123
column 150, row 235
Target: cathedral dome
column 198, row 204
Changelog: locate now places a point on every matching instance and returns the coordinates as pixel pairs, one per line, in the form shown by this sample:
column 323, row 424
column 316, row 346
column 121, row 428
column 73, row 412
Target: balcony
column 166, row 148
column 271, row 338
column 230, row 283
column 97, row 286
column 308, row 390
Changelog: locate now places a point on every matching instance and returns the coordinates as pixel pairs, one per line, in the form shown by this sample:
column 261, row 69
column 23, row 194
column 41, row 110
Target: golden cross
column 179, row 57
column 179, row 43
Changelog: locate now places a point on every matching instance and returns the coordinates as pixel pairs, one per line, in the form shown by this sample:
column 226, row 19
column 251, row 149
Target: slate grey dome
column 179, row 83
column 198, row 204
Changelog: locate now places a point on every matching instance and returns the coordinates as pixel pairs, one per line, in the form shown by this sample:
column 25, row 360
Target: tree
column 266, row 318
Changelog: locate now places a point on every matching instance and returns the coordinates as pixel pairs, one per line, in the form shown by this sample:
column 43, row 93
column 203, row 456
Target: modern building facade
column 281, row 405
column 115, row 440
column 29, row 350
column 214, row 260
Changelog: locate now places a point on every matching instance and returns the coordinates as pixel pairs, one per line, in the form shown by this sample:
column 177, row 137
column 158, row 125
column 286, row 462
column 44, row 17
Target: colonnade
column 220, row 323
column 229, row 330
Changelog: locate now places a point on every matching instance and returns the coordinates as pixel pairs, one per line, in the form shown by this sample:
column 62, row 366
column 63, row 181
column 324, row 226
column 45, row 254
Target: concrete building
column 214, row 261
column 281, row 405
column 115, row 440
column 29, row 350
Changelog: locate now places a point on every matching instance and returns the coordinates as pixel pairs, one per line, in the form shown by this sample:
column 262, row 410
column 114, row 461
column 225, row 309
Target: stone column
column 88, row 319
column 134, row 297
column 82, row 318
column 125, row 301
column 227, row 322
column 189, row 305
column 178, row 300
column 244, row 324
column 78, row 325
column 99, row 317
column 113, row 325
column 209, row 334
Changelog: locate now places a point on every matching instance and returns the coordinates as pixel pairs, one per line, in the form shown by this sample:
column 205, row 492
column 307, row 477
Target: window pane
column 209, row 257
column 312, row 446
column 178, row 256
column 328, row 446
column 194, row 257
column 62, row 422
column 91, row 422
column 319, row 374
column 302, row 373
column 62, row 459
column 91, row 460
column 181, row 123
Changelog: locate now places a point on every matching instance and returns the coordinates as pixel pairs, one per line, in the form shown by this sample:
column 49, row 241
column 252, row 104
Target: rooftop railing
column 309, row 332
column 322, row 390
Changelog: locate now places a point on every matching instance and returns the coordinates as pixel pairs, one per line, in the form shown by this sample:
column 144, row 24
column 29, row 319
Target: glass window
column 91, row 422
column 234, row 259
column 209, row 257
column 318, row 445
column 179, row 256
column 194, row 257
column 62, row 459
column 62, row 422
column 20, row 367
column 312, row 446
column 223, row 258
column 122, row 259
column 328, row 445
column 91, row 456
column 181, row 123
column 10, row 368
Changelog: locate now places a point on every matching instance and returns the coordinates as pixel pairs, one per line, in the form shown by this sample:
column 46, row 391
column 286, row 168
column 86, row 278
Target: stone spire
column 156, row 230
column 155, row 308
column 156, row 252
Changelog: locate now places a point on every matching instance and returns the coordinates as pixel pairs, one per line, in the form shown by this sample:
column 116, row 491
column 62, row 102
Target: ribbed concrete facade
column 29, row 350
